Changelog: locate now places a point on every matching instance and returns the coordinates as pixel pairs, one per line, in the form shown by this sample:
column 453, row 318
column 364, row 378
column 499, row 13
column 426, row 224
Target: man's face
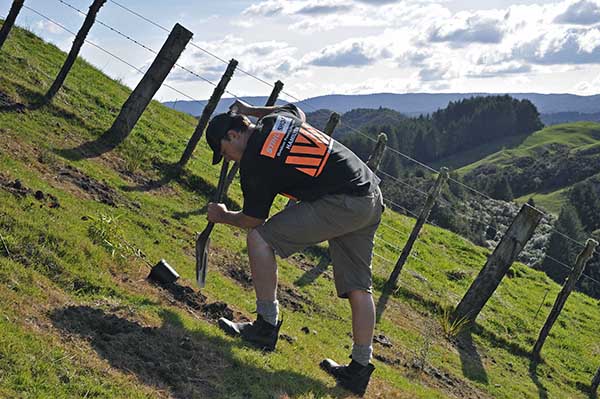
column 233, row 149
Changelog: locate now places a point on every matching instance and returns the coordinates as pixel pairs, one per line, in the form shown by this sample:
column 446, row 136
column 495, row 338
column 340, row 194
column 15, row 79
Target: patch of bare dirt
column 232, row 265
column 17, row 188
column 431, row 376
column 196, row 301
column 9, row 104
column 168, row 357
column 454, row 385
column 99, row 191
column 293, row 300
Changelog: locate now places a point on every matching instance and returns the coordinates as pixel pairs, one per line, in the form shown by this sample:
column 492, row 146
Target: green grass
column 78, row 321
column 578, row 136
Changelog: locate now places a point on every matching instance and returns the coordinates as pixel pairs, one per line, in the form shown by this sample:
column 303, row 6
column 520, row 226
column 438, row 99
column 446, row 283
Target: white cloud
column 311, row 16
column 350, row 53
column 47, row 26
column 582, row 12
column 589, row 87
column 499, row 69
column 438, row 71
column 561, row 46
column 464, row 28
column 267, row 8
column 269, row 59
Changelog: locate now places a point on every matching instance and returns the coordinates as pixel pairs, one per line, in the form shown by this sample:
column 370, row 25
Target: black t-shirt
column 287, row 156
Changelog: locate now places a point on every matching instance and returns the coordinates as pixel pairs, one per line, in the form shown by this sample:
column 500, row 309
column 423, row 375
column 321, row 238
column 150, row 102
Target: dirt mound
column 9, row 104
column 167, row 357
column 100, row 192
column 18, row 189
column 292, row 299
column 239, row 273
column 197, row 301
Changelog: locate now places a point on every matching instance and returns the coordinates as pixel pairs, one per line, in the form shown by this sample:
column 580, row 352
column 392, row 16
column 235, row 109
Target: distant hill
column 195, row 107
column 412, row 104
column 568, row 117
column 545, row 165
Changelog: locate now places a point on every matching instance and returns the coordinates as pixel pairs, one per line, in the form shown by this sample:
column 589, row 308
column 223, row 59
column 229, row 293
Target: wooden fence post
column 274, row 93
column 563, row 295
column 270, row 102
column 595, row 382
column 513, row 241
column 146, row 89
column 10, row 20
column 332, row 123
column 434, row 193
column 209, row 108
column 77, row 44
column 377, row 154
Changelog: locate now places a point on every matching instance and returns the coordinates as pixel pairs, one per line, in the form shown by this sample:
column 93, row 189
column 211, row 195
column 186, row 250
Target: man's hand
column 216, row 212
column 240, row 107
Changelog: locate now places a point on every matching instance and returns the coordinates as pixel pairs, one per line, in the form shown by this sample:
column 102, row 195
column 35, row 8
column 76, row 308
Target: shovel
column 203, row 240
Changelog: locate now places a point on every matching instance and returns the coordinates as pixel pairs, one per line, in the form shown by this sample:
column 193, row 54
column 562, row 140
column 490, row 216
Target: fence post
column 77, row 44
column 274, row 93
column 10, row 20
column 146, row 89
column 332, row 123
column 498, row 263
column 209, row 108
column 595, row 382
column 377, row 154
column 434, row 193
column 563, row 295
column 270, row 102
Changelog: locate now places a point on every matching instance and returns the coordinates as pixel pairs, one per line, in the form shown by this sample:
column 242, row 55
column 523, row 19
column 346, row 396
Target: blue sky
column 349, row 46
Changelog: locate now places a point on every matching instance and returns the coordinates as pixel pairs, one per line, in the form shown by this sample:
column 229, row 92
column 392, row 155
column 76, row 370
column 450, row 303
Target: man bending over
column 337, row 199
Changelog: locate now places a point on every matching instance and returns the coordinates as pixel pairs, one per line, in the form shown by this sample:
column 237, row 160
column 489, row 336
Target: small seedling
column 106, row 232
column 134, row 158
column 450, row 326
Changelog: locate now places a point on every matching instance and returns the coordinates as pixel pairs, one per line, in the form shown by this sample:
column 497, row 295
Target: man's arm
column 243, row 108
column 218, row 213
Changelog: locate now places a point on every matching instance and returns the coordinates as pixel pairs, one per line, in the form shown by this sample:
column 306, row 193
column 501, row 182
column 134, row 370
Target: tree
column 501, row 189
column 585, row 200
column 561, row 248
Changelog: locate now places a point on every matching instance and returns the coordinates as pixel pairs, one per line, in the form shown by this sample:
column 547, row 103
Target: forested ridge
column 467, row 127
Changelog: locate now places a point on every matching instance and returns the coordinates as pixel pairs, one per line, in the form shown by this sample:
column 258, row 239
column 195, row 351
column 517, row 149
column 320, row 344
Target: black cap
column 217, row 129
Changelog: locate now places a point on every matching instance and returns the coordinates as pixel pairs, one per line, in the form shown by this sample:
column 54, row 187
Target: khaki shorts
column 347, row 222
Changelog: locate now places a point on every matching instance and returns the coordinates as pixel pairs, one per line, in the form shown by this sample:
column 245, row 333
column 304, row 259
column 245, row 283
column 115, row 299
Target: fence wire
column 351, row 128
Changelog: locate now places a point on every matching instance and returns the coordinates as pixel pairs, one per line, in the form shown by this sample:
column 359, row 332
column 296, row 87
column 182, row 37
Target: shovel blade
column 202, row 245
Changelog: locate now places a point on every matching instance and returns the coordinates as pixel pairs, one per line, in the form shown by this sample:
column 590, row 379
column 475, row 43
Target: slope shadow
column 106, row 142
column 312, row 274
column 533, row 374
column 399, row 292
column 36, row 102
column 172, row 358
column 472, row 365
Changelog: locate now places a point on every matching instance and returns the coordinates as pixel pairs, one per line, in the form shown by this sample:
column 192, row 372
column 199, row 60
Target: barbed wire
column 147, row 48
column 570, row 268
column 402, row 182
column 235, row 96
column 351, row 128
column 104, row 50
column 378, row 237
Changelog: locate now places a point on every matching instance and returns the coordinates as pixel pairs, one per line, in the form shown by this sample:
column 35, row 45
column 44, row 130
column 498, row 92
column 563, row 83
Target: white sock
column 269, row 310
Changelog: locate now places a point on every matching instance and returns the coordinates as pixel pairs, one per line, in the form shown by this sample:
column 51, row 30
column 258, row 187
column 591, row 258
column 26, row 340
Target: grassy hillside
column 553, row 148
column 79, row 319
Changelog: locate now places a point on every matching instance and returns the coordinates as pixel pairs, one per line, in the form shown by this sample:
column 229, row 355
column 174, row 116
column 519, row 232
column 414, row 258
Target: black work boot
column 259, row 333
column 354, row 377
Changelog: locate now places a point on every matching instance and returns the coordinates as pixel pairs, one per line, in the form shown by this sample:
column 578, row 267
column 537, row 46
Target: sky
column 344, row 46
